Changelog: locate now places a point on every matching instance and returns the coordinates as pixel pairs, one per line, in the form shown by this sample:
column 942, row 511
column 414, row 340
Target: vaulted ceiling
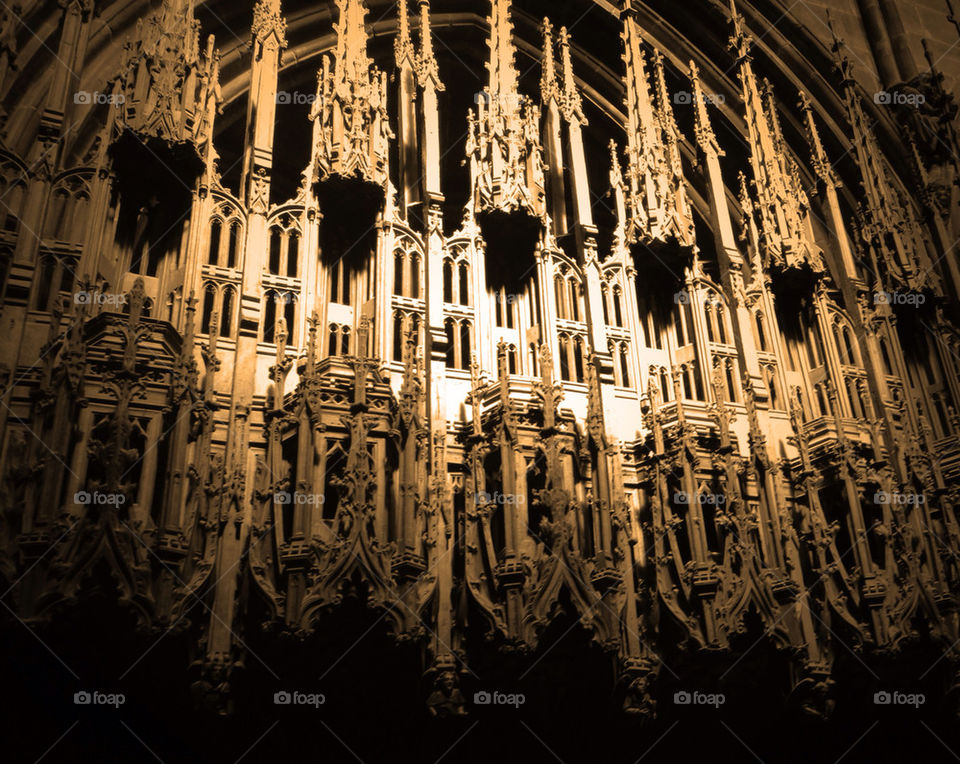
column 790, row 56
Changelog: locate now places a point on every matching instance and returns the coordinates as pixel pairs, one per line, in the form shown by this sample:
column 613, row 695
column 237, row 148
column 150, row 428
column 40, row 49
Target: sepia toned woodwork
column 602, row 363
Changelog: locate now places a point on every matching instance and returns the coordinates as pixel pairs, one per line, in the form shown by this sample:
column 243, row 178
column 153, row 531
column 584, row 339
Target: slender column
column 879, row 41
column 899, row 41
column 728, row 252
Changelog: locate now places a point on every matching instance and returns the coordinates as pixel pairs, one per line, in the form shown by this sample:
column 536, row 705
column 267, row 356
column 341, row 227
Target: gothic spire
column 312, row 323
column 572, row 105
column 655, row 194
column 501, row 65
column 888, row 226
column 402, row 47
column 351, row 60
column 268, row 22
column 352, row 141
column 427, row 70
column 818, row 156
column 548, row 76
column 548, row 391
column 504, row 148
column 706, row 138
column 782, row 204
column 166, row 81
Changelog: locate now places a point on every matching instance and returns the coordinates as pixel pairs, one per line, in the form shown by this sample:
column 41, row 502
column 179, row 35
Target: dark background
column 375, row 701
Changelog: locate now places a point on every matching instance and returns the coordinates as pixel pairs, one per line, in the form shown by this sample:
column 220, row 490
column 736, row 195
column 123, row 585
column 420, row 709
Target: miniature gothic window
column 761, row 330
column 338, row 342
column 206, row 312
column 226, row 312
column 447, row 280
column 276, row 245
column 464, row 283
column 233, row 244
column 214, row 251
column 504, row 309
column 293, row 253
column 339, row 283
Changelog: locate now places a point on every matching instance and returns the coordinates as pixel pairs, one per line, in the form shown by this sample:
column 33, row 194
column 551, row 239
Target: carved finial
column 616, row 174
column 210, row 361
column 796, row 408
column 740, row 41
column 818, row 155
column 678, row 395
column 548, row 76
column 744, row 194
column 409, row 353
column 136, row 298
column 189, row 325
column 402, row 47
column 428, row 74
column 595, row 419
column 724, row 417
column 351, row 52
column 282, row 364
column 361, row 363
column 502, row 370
column 572, row 105
column 475, row 395
column 841, row 61
column 502, row 66
column 312, row 323
column 550, row 392
column 267, row 21
column 660, row 93
column 363, row 335
column 706, row 138
column 410, row 387
column 773, row 114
